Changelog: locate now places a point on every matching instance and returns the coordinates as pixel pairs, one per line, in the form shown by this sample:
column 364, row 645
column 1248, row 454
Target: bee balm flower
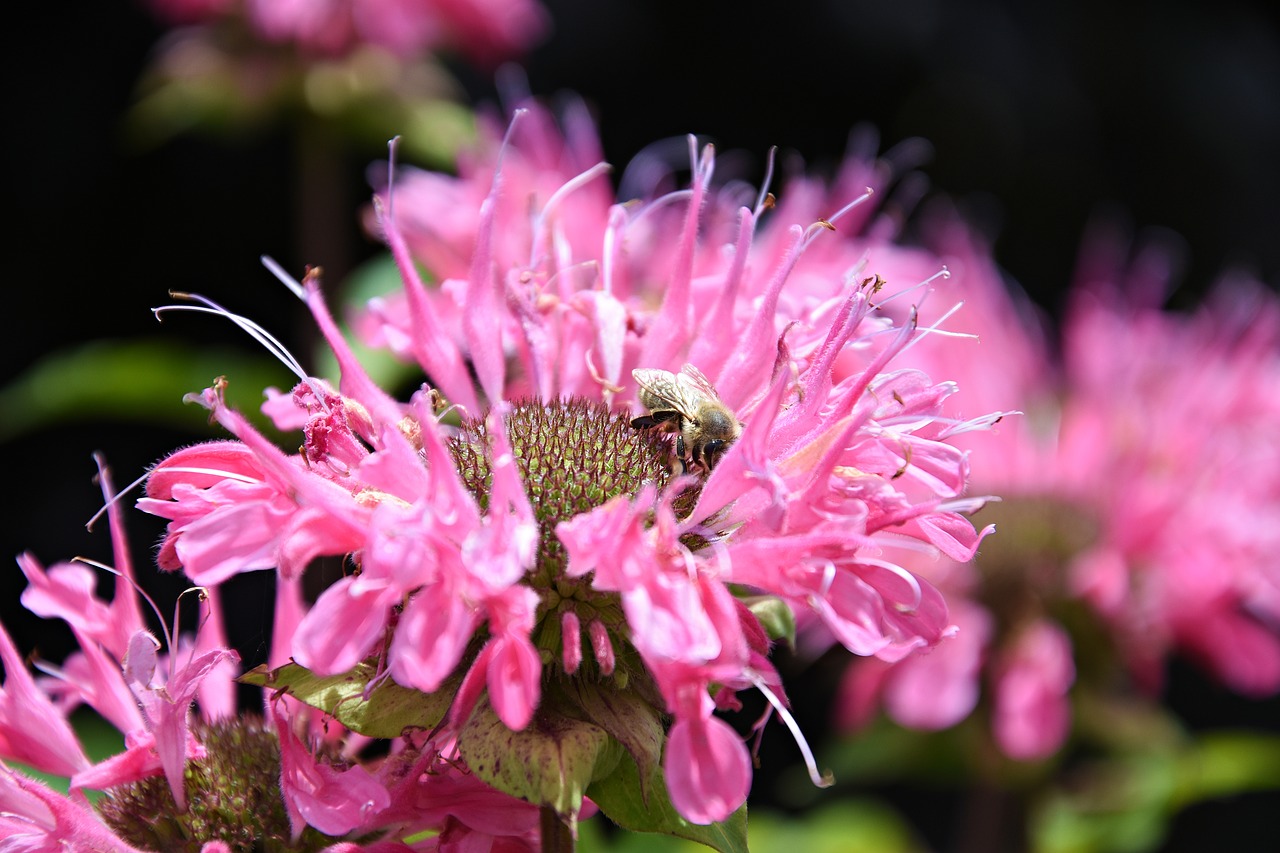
column 509, row 503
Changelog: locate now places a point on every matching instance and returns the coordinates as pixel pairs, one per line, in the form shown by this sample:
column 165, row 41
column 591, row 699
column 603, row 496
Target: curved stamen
column 213, row 472
column 761, row 198
column 828, row 224
column 259, row 334
column 88, row 525
column 168, row 636
column 661, row 201
column 944, row 272
column 820, row 780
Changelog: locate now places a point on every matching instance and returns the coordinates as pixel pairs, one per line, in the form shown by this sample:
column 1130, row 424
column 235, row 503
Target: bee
column 685, row 403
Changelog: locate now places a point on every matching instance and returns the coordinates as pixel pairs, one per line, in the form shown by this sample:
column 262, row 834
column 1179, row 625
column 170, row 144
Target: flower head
column 511, row 501
column 209, row 779
column 1141, row 484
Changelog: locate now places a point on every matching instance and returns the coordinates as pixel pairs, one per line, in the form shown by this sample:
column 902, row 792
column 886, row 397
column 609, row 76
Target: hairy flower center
column 233, row 795
column 573, row 456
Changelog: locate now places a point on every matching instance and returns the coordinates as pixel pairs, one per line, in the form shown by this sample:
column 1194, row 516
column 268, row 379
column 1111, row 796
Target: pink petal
column 707, row 769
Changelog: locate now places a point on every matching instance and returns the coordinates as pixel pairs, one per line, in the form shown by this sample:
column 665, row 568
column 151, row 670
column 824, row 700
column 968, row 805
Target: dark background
column 1039, row 115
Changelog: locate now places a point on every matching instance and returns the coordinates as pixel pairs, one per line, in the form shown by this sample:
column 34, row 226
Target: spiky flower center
column 233, row 795
column 573, row 456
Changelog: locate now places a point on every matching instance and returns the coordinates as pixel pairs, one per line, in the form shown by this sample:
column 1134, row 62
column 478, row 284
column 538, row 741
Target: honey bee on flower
column 687, row 404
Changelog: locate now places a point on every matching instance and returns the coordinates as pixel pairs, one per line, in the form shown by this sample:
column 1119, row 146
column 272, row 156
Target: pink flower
column 190, row 11
column 486, row 30
column 1141, row 481
column 35, row 817
column 928, row 691
column 1031, row 716
column 273, row 782
column 482, row 545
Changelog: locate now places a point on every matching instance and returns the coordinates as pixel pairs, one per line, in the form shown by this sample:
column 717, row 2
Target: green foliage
column 776, row 617
column 136, row 381
column 387, row 712
column 850, row 826
column 549, row 762
column 620, row 799
column 1123, row 803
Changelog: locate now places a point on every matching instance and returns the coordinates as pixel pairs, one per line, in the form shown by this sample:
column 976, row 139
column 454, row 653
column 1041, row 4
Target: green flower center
column 233, row 795
column 573, row 456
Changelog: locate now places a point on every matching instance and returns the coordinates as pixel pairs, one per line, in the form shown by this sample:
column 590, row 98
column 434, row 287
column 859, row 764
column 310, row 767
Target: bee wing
column 669, row 389
column 697, row 385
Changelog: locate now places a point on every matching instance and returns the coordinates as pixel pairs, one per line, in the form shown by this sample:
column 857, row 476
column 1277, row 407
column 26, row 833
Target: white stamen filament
column 811, row 233
column 392, row 145
column 213, row 472
column 933, row 329
column 203, row 593
column 287, row 280
column 942, row 273
column 568, row 187
column 669, row 198
column 259, row 334
column 88, row 525
column 768, row 179
column 820, row 780
column 982, row 422
column 968, row 504
column 168, row 637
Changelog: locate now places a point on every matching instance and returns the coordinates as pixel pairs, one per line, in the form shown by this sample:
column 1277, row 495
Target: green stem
column 557, row 834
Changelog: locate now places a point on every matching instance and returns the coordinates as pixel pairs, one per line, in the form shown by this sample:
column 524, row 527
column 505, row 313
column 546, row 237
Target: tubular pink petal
column 707, row 769
column 342, row 627
column 673, row 325
column 434, row 349
column 32, row 730
column 514, row 679
column 601, row 646
column 714, row 342
column 571, row 642
column 355, row 382
column 755, row 350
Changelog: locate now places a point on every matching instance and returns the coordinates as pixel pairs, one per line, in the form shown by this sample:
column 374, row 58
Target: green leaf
column 1225, row 763
column 141, row 381
column 389, row 711
column 776, row 617
column 846, row 825
column 549, row 763
column 619, row 798
column 628, row 718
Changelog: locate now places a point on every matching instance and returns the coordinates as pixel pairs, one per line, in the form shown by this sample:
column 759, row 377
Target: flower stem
column 557, row 834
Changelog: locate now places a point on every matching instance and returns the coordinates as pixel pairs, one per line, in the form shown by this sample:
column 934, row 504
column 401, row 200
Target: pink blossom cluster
column 1147, row 458
column 485, row 30
column 120, row 673
column 547, row 289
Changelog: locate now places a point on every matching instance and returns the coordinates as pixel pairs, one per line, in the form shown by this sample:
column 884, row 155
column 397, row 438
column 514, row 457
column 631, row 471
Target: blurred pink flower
column 1142, row 480
column 191, row 11
column 1184, row 413
column 544, row 510
column 1031, row 717
column 485, row 30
